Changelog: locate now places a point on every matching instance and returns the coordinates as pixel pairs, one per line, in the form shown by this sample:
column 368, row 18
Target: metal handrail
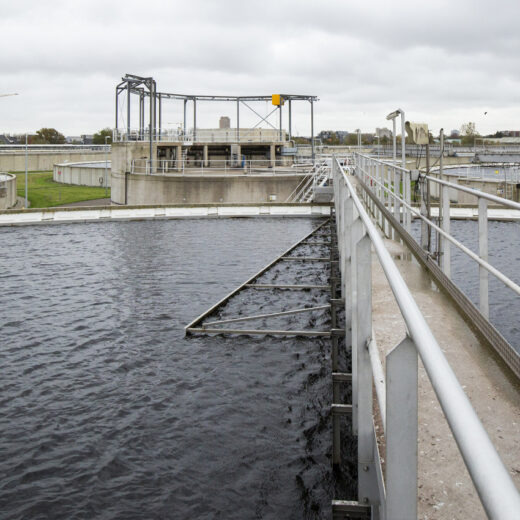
column 476, row 193
column 176, row 166
column 492, row 481
column 486, row 265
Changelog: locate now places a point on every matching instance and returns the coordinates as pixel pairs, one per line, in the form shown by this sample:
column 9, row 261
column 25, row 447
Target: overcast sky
column 444, row 62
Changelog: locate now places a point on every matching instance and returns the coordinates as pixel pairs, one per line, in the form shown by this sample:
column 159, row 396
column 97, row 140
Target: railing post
column 424, row 213
column 483, row 253
column 408, row 199
column 362, row 408
column 445, row 243
column 401, row 431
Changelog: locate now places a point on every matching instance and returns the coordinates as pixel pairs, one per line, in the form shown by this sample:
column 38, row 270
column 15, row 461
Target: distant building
column 87, row 139
column 383, row 132
column 225, row 122
column 74, row 139
column 454, row 133
column 510, row 133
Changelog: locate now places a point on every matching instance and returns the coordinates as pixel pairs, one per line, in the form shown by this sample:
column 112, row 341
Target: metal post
column 424, row 213
column 152, row 103
column 238, row 120
column 117, row 108
column 128, row 110
column 483, row 253
column 401, row 431
column 280, row 110
column 445, row 244
column 106, row 166
column 194, row 119
column 184, row 123
column 26, row 170
column 367, row 493
column 403, row 141
column 408, row 190
column 290, row 120
column 141, row 115
column 160, row 116
column 394, row 155
column 312, row 131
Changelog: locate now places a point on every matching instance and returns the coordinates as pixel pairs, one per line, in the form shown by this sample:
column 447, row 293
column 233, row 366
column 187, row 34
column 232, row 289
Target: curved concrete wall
column 82, row 174
column 7, row 190
column 14, row 161
column 136, row 189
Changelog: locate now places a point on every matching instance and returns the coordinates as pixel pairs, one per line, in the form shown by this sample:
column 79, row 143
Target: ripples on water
column 504, row 254
column 107, row 411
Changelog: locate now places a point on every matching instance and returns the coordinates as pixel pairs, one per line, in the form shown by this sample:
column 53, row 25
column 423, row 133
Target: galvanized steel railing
column 223, row 135
column 212, row 166
column 387, row 180
column 394, row 497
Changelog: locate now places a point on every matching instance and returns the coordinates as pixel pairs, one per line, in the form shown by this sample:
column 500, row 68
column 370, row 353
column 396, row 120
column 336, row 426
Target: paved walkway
column 86, row 203
column 445, row 489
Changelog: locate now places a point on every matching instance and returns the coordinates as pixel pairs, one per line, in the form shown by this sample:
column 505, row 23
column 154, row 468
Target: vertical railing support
column 483, row 253
column 367, row 480
column 408, row 200
column 424, row 213
column 401, row 431
column 445, row 243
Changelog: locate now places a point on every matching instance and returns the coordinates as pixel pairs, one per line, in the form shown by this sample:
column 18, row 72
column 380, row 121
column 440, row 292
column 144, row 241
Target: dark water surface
column 504, row 254
column 107, row 411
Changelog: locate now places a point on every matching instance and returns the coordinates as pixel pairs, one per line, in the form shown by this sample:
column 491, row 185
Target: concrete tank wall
column 81, row 174
column 137, row 189
column 7, row 191
column 14, row 161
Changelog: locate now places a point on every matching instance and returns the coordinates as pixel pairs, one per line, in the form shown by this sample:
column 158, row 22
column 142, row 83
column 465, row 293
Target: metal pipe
column 280, row 110
column 128, row 110
column 194, row 119
column 493, row 483
column 184, row 123
column 290, row 120
column 160, row 116
column 312, row 132
column 238, row 119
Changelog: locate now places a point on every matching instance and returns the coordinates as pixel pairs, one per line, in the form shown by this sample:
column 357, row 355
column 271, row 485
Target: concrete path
column 86, row 203
column 445, row 489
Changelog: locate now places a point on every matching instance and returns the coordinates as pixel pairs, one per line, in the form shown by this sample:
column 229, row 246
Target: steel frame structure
column 145, row 87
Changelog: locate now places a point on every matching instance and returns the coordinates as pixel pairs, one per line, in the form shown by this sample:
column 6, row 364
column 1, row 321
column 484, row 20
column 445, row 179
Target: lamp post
column 392, row 116
column 106, row 165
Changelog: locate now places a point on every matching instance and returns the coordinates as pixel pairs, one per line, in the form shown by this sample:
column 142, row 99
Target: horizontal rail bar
column 341, row 409
column 269, row 315
column 262, row 332
column 476, row 193
column 495, row 272
column 493, row 483
column 341, row 377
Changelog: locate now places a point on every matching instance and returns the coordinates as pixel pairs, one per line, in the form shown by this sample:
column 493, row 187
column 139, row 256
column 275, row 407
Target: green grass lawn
column 45, row 193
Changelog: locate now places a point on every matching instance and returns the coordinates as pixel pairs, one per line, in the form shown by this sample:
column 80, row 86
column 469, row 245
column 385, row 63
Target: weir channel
column 299, row 294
